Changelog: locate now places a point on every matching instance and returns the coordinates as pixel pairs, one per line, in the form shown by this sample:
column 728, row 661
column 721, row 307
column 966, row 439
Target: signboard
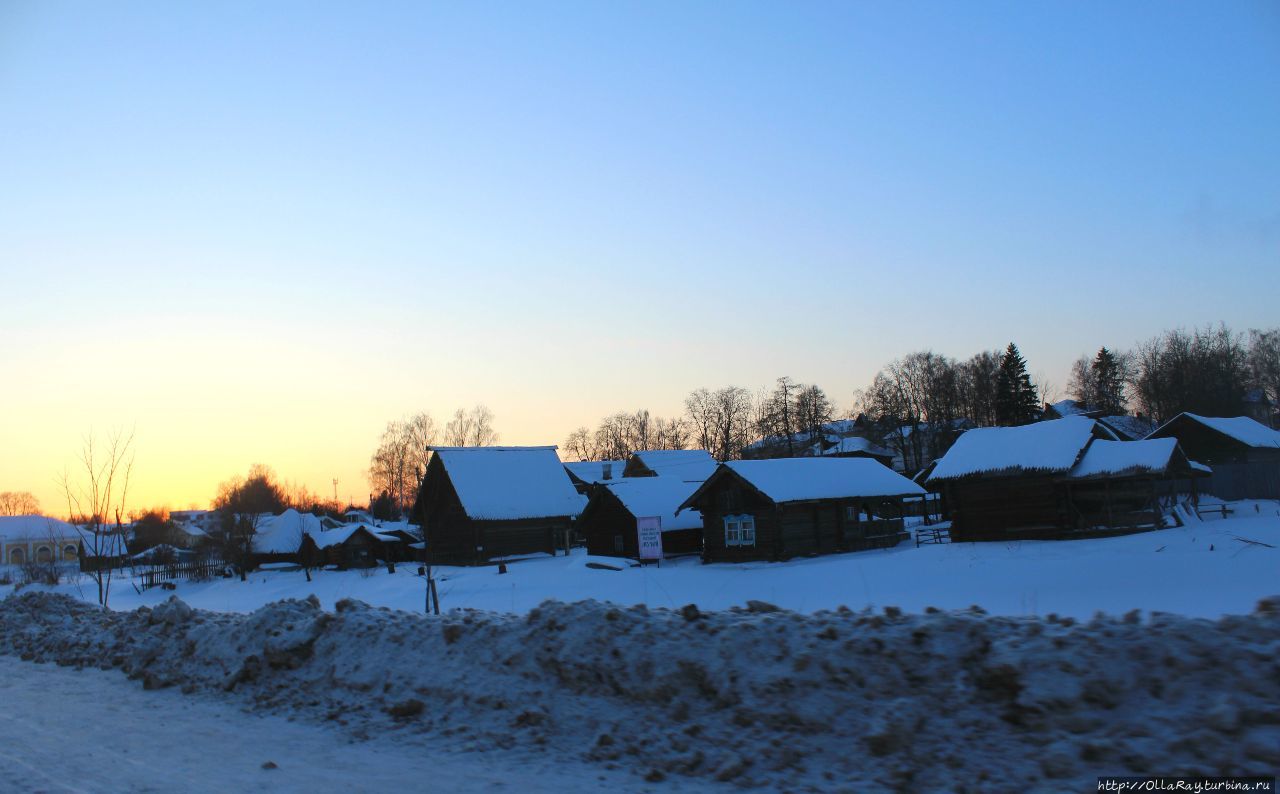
column 649, row 530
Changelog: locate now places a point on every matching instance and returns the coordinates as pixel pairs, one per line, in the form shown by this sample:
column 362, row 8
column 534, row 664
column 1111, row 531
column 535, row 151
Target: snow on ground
column 777, row 700
column 1201, row 570
column 133, row 740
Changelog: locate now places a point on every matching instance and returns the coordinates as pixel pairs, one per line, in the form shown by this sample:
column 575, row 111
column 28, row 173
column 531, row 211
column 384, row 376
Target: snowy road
column 63, row 730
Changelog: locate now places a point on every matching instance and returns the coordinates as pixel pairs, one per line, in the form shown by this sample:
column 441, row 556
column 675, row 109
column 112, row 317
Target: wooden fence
column 193, row 570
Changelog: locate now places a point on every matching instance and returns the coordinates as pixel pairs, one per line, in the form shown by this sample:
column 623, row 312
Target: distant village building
column 791, row 507
column 856, row 447
column 609, row 526
column 690, row 465
column 1054, row 479
column 586, row 473
column 484, row 503
column 351, row 546
column 34, row 538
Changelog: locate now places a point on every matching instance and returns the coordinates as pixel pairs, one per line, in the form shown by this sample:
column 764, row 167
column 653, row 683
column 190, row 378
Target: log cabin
column 1039, row 482
column 608, row 524
column 792, row 507
column 479, row 504
column 351, row 546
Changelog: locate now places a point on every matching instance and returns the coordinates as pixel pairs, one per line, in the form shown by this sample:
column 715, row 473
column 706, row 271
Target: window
column 739, row 530
column 44, row 554
column 69, row 552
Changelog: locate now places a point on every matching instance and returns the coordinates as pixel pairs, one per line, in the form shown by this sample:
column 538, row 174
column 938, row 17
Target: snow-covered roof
column 507, row 483
column 1128, row 428
column 658, row 496
column 1045, row 447
column 282, row 534
column 807, row 479
column 36, row 528
column 691, row 465
column 333, row 537
column 1153, row 456
column 1065, row 408
column 593, row 471
column 855, row 444
column 1247, row 431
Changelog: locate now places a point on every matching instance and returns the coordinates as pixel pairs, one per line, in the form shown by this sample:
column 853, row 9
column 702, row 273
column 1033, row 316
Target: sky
column 257, row 232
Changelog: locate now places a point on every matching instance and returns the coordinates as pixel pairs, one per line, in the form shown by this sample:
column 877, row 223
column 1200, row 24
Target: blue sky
column 246, row 227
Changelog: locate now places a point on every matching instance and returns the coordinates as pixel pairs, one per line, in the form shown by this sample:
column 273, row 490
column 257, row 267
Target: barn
column 690, row 465
column 1053, row 479
column 349, row 546
column 478, row 504
column 1244, row 454
column 792, row 507
column 608, row 524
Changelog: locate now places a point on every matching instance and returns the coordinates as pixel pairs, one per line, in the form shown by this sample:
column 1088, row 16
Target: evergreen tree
column 1016, row 398
column 1108, row 383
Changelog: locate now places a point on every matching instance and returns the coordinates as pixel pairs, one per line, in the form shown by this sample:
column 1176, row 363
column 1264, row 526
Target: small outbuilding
column 478, row 504
column 855, row 447
column 791, row 507
column 608, row 524
column 349, row 546
column 1244, row 454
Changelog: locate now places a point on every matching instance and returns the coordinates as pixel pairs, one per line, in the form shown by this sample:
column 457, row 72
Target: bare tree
column 472, row 428
column 399, row 463
column 580, row 445
column 18, row 503
column 1264, row 363
column 96, row 496
column 700, row 409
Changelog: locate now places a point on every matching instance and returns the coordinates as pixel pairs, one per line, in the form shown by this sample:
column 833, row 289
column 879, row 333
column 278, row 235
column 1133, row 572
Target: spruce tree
column 1108, row 384
column 1016, row 398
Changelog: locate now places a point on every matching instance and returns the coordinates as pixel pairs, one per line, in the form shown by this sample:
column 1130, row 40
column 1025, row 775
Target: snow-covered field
column 1205, row 569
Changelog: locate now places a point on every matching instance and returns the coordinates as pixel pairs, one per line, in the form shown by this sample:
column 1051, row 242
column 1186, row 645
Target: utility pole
column 335, row 489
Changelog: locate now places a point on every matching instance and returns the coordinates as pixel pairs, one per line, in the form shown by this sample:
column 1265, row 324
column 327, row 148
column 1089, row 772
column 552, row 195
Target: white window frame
column 740, row 530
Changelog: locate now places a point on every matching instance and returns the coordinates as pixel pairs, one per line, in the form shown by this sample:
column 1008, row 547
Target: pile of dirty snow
column 756, row 696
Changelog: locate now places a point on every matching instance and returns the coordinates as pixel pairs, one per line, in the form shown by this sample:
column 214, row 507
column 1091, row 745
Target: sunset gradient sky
column 257, row 231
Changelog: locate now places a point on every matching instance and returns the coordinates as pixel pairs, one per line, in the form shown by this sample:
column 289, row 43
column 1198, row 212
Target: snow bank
column 758, row 696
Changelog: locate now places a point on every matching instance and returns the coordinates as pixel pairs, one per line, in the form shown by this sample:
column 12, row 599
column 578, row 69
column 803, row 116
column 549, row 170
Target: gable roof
column 1113, row 458
column 282, row 534
column 691, row 465
column 508, row 483
column 783, row 480
column 658, row 496
column 1128, row 428
column 593, row 471
column 1044, row 447
column 334, row 537
column 1241, row 429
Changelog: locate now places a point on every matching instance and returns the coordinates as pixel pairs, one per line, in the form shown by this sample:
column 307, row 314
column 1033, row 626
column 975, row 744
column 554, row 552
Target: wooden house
column 792, row 507
column 608, row 524
column 690, row 465
column 1038, row 481
column 586, row 473
column 483, row 503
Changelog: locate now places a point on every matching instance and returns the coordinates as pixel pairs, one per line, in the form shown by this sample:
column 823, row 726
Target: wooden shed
column 1115, row 484
column 608, row 524
column 855, row 447
column 478, row 504
column 792, row 507
column 350, row 546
